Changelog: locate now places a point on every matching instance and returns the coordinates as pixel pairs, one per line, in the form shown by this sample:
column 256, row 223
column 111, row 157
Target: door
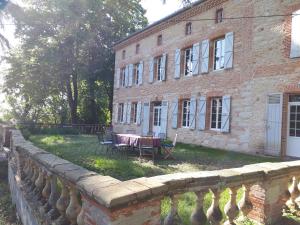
column 293, row 140
column 156, row 120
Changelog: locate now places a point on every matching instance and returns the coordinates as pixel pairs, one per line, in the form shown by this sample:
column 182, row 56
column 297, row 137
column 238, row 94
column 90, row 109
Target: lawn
column 84, row 150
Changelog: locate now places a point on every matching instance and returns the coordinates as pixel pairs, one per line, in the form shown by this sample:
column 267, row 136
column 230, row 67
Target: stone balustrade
column 59, row 192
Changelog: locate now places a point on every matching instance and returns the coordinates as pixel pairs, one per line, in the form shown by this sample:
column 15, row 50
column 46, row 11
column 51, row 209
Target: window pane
column 292, row 132
column 292, row 125
column 293, row 117
column 298, row 125
column 293, row 109
column 297, row 133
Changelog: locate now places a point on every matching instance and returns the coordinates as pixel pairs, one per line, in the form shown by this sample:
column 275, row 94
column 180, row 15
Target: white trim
column 218, row 115
column 214, row 53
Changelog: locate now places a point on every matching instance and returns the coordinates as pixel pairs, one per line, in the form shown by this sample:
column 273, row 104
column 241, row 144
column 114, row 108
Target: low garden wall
column 49, row 190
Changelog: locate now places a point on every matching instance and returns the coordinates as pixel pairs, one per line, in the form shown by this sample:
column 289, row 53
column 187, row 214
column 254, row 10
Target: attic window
column 219, row 16
column 188, row 28
column 159, row 40
column 123, row 54
column 137, row 49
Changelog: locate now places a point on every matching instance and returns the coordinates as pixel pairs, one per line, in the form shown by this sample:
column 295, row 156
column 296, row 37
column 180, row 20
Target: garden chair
column 119, row 147
column 105, row 140
column 169, row 148
column 146, row 147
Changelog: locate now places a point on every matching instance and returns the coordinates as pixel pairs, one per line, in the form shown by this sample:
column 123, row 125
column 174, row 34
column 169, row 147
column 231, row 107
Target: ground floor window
column 186, row 105
column 120, row 112
column 134, row 112
column 216, row 113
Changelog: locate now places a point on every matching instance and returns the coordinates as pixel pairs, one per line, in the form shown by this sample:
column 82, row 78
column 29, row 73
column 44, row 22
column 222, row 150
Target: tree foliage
column 63, row 69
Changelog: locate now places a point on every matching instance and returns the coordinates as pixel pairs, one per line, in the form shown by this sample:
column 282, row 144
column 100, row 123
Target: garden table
column 133, row 140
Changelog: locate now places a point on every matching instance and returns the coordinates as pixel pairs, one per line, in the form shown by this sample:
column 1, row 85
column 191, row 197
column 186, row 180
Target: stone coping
column 112, row 193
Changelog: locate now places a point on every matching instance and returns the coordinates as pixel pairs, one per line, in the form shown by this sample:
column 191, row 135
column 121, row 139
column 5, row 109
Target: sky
column 155, row 10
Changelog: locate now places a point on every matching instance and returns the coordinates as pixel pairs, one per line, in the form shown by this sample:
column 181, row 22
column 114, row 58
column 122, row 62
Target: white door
column 156, row 120
column 293, row 140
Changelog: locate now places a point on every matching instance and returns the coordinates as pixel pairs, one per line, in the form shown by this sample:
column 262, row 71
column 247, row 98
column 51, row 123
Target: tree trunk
column 72, row 93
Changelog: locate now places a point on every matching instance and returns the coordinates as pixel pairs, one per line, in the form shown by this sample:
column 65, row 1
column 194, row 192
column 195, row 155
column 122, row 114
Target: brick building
column 222, row 73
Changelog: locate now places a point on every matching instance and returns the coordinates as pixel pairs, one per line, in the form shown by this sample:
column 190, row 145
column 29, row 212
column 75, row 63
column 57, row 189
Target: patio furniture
column 133, row 140
column 105, row 140
column 119, row 147
column 146, row 147
column 169, row 148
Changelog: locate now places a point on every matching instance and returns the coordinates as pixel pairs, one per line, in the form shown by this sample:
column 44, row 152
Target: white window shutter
column 192, row 124
column 229, row 38
column 141, row 71
column 201, row 113
column 139, row 112
column 226, row 106
column 164, row 66
column 124, row 113
column 177, row 63
column 126, row 75
column 196, row 58
column 117, row 78
column 164, row 117
column 116, row 107
column 174, row 113
column 204, row 56
column 151, row 70
column 128, row 112
column 130, row 76
column 295, row 42
column 146, row 118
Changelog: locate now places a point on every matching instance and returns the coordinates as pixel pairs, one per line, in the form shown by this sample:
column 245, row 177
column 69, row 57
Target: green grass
column 85, row 151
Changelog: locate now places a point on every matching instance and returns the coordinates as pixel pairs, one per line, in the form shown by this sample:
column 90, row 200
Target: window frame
column 218, row 114
column 190, row 73
column 133, row 112
column 123, row 77
column 159, row 40
column 158, row 67
column 219, row 15
column 188, row 28
column 120, row 112
column 185, row 122
column 136, row 73
column 222, row 40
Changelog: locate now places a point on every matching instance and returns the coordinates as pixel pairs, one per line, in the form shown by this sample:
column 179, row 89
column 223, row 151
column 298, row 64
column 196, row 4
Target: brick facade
column 261, row 66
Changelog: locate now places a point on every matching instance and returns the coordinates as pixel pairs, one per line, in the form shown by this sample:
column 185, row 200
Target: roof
column 161, row 21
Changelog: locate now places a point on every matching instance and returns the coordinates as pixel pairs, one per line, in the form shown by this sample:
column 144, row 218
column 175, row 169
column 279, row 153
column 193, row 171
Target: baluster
column 198, row 217
column 173, row 217
column 62, row 204
column 80, row 217
column 33, row 178
column 53, row 213
column 29, row 173
column 46, row 194
column 214, row 214
column 244, row 204
column 231, row 210
column 294, row 193
column 39, row 184
column 74, row 207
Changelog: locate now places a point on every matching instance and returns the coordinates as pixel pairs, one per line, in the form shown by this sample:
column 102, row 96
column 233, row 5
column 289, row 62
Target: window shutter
column 202, row 113
column 124, row 112
column 196, row 57
column 141, row 70
column 174, row 113
column 146, row 118
column 117, row 78
column 130, row 78
column 164, row 117
column 126, row 75
column 164, row 66
column 228, row 50
column 177, row 64
column 128, row 112
column 226, row 104
column 138, row 112
column 204, row 56
column 116, row 107
column 192, row 124
column 295, row 44
column 151, row 70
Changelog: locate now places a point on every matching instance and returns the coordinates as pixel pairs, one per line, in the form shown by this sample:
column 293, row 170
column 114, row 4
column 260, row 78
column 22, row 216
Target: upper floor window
column 219, row 16
column 188, row 61
column 188, row 28
column 123, row 77
column 216, row 114
column 134, row 112
column 120, row 112
column 123, row 54
column 159, row 68
column 219, row 54
column 137, row 49
column 186, row 105
column 136, row 74
column 159, row 39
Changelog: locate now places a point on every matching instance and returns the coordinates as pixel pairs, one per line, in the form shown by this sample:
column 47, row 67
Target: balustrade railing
column 63, row 193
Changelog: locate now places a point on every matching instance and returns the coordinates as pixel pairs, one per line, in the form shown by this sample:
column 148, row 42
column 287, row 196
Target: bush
column 28, row 131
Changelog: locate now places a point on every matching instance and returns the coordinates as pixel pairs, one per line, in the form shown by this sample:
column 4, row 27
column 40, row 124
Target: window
column 159, row 40
column 159, row 67
column 120, row 112
column 219, row 16
column 188, row 28
column 188, row 61
column 123, row 77
column 157, row 116
column 219, row 54
column 186, row 105
column 137, row 49
column 134, row 112
column 123, row 54
column 136, row 74
column 216, row 114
